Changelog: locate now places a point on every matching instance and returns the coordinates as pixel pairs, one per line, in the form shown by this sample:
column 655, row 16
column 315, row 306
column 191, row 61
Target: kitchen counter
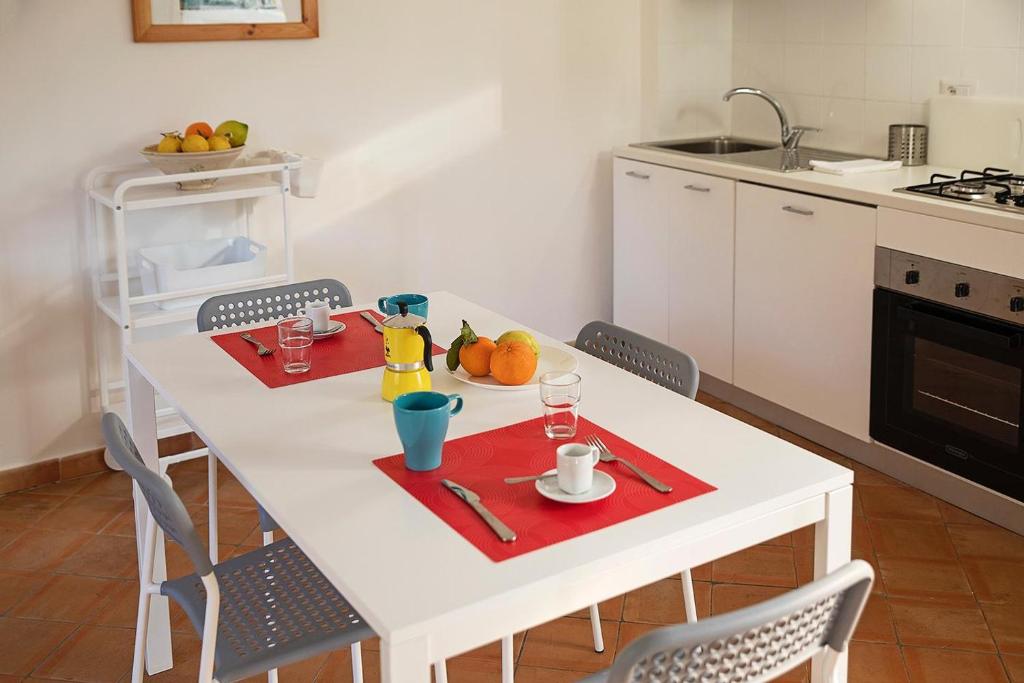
column 875, row 189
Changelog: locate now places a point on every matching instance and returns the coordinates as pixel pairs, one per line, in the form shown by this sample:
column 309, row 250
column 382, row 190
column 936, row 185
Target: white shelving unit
column 118, row 194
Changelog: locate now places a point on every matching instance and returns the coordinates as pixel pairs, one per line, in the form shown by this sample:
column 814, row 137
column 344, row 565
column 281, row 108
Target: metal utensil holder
column 908, row 142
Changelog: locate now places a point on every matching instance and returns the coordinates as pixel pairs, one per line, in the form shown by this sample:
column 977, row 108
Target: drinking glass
column 295, row 337
column 560, row 393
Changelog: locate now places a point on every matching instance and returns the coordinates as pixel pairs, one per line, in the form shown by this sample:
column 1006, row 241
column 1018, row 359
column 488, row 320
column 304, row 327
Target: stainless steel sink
column 748, row 152
column 716, row 146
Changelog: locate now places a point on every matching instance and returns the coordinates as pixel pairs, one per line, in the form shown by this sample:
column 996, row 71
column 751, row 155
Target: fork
column 261, row 350
column 607, row 456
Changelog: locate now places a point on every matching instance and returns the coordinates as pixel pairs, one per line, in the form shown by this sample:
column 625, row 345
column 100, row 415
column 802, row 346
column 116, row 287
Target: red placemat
column 481, row 461
column 358, row 347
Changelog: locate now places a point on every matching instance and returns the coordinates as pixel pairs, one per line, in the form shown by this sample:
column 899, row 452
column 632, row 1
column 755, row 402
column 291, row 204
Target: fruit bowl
column 171, row 163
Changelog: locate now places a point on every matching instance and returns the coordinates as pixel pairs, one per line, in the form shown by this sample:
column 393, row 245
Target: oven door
column 946, row 387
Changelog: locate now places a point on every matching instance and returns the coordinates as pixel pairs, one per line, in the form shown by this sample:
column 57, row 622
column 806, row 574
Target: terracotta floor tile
column 338, row 668
column 609, row 609
column 877, row 663
column 122, row 525
column 299, row 672
column 909, row 539
column 1014, row 667
column 191, row 487
column 18, row 586
column 105, row 556
column 76, row 660
column 67, row 487
column 1006, row 622
column 67, row 598
column 80, row 513
column 8, row 534
column 41, row 550
column 533, row 674
column 110, row 484
column 701, row 572
column 804, row 537
column 930, row 623
column 928, row 665
column 21, row 509
column 804, row 560
column 662, row 602
column 893, row 502
column 995, row 581
column 868, row 476
column 187, row 648
column 861, row 542
column 232, row 494
column 763, row 565
column 121, row 609
column 465, row 669
column 986, row 542
column 951, row 514
column 876, row 622
column 35, row 639
column 234, row 525
column 728, row 597
column 568, row 643
column 925, row 579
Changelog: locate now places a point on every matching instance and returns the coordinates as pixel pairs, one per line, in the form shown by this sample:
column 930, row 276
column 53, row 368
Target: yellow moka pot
column 407, row 354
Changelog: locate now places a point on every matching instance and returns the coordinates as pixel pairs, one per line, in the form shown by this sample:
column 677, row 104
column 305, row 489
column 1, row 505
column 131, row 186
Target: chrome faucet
column 790, row 135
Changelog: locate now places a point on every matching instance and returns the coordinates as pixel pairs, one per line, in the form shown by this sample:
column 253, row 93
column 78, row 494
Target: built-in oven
column 947, row 371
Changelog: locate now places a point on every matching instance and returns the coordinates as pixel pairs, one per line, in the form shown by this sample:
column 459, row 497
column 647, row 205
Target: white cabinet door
column 804, row 281
column 640, row 248
column 701, row 214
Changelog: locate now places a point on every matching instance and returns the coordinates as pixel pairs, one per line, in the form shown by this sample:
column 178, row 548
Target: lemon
column 521, row 336
column 218, row 142
column 195, row 143
column 170, row 143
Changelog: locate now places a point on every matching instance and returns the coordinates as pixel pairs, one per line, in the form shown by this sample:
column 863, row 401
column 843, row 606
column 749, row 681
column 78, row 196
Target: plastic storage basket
column 200, row 263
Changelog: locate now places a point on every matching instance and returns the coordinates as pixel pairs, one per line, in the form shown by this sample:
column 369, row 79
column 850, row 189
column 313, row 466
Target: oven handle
column 911, row 313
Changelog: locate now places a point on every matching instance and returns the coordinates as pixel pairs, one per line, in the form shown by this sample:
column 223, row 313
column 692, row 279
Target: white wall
column 467, row 146
column 694, row 67
column 852, row 67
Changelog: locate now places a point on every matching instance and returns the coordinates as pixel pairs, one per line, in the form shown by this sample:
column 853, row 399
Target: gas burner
column 1016, row 185
column 968, row 189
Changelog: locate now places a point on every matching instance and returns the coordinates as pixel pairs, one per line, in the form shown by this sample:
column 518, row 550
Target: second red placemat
column 480, row 462
column 358, row 347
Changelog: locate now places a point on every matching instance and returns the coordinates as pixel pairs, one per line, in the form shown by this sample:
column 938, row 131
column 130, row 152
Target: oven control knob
column 961, row 290
column 1016, row 304
column 912, row 277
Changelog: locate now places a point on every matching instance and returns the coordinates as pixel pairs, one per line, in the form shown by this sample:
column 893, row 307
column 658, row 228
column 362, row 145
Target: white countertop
column 868, row 188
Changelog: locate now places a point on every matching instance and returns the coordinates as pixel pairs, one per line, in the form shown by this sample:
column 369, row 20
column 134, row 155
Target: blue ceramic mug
column 417, row 304
column 422, row 421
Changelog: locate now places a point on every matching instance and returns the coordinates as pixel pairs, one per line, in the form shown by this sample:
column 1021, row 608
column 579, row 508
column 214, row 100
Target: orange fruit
column 476, row 357
column 513, row 363
column 199, row 128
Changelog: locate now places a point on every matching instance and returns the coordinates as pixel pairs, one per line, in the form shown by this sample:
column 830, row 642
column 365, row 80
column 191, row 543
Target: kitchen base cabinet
column 804, row 282
column 673, row 260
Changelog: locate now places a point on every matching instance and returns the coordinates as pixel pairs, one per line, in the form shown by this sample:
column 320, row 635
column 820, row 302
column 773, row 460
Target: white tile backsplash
column 843, row 68
column 889, row 22
column 938, row 22
column 930, row 65
column 992, row 23
column 994, row 69
column 845, row 22
column 801, row 71
column 887, row 73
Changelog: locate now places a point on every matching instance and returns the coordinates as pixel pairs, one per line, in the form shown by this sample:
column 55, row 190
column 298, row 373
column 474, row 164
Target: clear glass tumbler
column 560, row 393
column 295, row 337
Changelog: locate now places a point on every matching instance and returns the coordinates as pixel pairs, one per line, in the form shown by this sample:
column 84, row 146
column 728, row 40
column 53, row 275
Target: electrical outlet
column 957, row 89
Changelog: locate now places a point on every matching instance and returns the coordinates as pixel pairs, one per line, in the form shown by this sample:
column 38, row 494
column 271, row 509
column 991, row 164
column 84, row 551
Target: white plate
column 603, row 487
column 336, row 327
column 551, row 360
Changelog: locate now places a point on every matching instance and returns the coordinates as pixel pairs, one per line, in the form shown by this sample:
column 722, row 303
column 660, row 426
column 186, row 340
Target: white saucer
column 603, row 487
column 336, row 327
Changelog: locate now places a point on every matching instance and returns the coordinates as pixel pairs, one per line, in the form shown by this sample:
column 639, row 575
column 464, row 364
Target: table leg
column 142, row 424
column 832, row 542
column 405, row 662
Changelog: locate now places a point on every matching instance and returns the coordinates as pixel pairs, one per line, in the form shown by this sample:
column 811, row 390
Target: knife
column 473, row 500
column 373, row 321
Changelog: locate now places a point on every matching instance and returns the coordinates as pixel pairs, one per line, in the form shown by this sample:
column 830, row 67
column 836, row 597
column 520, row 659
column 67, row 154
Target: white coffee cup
column 319, row 312
column 575, row 463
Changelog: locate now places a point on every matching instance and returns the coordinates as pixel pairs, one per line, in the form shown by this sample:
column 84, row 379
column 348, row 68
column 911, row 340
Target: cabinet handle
column 697, row 188
column 798, row 210
column 637, row 174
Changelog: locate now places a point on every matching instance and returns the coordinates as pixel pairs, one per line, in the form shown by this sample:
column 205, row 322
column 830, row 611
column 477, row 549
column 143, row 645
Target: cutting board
column 975, row 132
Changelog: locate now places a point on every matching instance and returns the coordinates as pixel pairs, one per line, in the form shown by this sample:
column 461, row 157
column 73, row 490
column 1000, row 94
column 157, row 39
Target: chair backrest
column 271, row 303
column 757, row 643
column 652, row 360
column 164, row 504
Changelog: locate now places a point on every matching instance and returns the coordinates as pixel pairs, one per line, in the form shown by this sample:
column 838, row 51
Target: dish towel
column 855, row 166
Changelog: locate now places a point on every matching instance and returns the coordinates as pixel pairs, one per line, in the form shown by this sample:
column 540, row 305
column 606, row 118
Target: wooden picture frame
column 148, row 32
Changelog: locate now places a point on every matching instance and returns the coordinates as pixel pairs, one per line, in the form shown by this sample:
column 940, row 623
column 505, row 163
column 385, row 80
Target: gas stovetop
column 994, row 188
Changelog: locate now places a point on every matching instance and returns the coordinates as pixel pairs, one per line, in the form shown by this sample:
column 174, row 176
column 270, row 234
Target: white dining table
column 305, row 453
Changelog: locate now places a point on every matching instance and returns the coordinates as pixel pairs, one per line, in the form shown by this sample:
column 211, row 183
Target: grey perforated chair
column 259, row 305
column 658, row 363
column 754, row 644
column 256, row 612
